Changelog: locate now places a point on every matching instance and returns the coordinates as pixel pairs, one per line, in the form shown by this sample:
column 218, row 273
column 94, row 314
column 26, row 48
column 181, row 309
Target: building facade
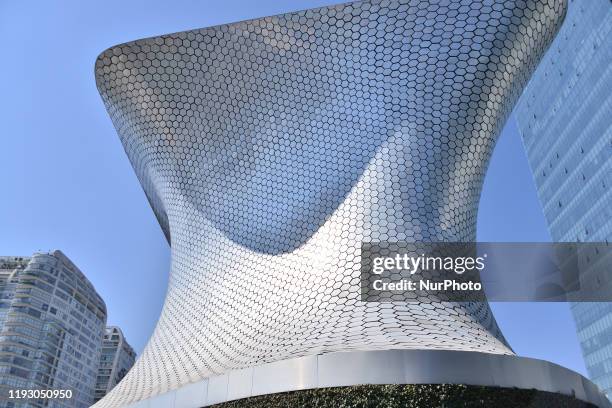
column 51, row 325
column 564, row 119
column 271, row 149
column 116, row 359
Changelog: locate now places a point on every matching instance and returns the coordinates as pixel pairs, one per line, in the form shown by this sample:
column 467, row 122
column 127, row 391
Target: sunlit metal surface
column 270, row 149
column 382, row 367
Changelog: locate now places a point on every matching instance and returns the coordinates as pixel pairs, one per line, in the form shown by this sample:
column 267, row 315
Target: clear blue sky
column 67, row 184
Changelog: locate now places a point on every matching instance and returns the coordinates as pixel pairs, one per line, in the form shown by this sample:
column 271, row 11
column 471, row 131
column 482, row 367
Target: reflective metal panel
column 400, row 367
column 271, row 149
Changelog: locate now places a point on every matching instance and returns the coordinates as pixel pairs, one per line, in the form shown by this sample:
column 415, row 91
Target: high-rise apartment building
column 115, row 361
column 51, row 325
column 564, row 119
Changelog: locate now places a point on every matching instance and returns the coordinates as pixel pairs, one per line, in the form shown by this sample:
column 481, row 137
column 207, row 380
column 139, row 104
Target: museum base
column 413, row 396
column 390, row 378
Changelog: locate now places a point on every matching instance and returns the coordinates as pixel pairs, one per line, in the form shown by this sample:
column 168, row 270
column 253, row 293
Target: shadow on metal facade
column 271, row 149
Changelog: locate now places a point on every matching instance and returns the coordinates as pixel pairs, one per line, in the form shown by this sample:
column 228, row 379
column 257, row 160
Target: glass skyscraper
column 115, row 361
column 564, row 118
column 51, row 327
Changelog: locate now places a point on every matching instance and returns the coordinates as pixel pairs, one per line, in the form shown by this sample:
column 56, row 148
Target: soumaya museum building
column 270, row 150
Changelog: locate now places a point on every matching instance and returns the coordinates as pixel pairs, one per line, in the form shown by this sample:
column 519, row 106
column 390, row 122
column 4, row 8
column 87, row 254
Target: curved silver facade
column 383, row 367
column 271, row 149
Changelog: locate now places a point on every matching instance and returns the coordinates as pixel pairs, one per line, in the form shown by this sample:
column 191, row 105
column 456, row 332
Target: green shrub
column 410, row 396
